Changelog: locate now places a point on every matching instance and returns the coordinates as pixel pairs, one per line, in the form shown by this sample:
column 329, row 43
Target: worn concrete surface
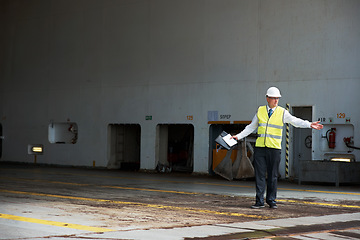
column 42, row 202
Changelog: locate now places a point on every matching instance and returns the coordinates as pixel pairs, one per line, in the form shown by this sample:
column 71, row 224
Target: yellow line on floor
column 280, row 188
column 227, row 185
column 196, row 193
column 46, row 181
column 224, row 185
column 178, row 192
column 317, row 203
column 318, row 191
column 138, row 204
column 104, row 186
column 150, row 190
column 203, row 183
column 53, row 223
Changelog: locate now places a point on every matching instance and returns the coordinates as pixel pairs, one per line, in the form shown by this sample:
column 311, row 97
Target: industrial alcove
column 124, row 146
column 174, row 147
column 63, row 132
column 302, row 140
column 216, row 155
column 1, row 139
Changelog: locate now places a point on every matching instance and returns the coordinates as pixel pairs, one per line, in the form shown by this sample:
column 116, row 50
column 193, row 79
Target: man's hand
column 316, row 125
column 234, row 137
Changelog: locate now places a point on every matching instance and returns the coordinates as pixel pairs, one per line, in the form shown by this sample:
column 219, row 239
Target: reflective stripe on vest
column 270, row 129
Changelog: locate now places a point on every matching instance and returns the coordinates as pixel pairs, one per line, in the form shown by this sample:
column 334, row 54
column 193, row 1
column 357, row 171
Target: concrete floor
column 39, row 202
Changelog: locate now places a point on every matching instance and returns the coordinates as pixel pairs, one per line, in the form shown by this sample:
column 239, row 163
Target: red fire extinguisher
column 331, row 137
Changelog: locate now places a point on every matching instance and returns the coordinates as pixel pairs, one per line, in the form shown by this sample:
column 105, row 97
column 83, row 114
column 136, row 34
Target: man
column 269, row 121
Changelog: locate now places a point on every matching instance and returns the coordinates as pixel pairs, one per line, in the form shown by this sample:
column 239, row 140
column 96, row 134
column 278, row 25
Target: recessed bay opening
column 175, row 147
column 217, row 155
column 124, row 146
column 63, row 132
column 1, row 139
column 302, row 140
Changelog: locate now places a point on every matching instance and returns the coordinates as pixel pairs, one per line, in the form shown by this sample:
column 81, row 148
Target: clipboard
column 224, row 140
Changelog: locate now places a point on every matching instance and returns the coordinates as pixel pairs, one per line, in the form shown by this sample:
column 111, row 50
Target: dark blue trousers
column 266, row 165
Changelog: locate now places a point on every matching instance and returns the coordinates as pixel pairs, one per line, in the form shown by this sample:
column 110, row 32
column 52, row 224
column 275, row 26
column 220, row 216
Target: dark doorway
column 1, row 139
column 124, row 146
column 302, row 140
column 174, row 147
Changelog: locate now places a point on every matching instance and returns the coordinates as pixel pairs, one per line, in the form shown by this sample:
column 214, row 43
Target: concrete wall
column 116, row 61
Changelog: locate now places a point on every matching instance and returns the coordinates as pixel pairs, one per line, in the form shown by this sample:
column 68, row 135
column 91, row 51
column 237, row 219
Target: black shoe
column 257, row 206
column 273, row 205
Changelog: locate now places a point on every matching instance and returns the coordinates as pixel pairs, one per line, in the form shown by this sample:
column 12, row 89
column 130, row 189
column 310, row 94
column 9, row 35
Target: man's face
column 272, row 101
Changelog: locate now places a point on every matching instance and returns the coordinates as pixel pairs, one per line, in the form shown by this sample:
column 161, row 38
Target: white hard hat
column 273, row 92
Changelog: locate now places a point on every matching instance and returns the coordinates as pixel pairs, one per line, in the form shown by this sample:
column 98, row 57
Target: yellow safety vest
column 270, row 129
